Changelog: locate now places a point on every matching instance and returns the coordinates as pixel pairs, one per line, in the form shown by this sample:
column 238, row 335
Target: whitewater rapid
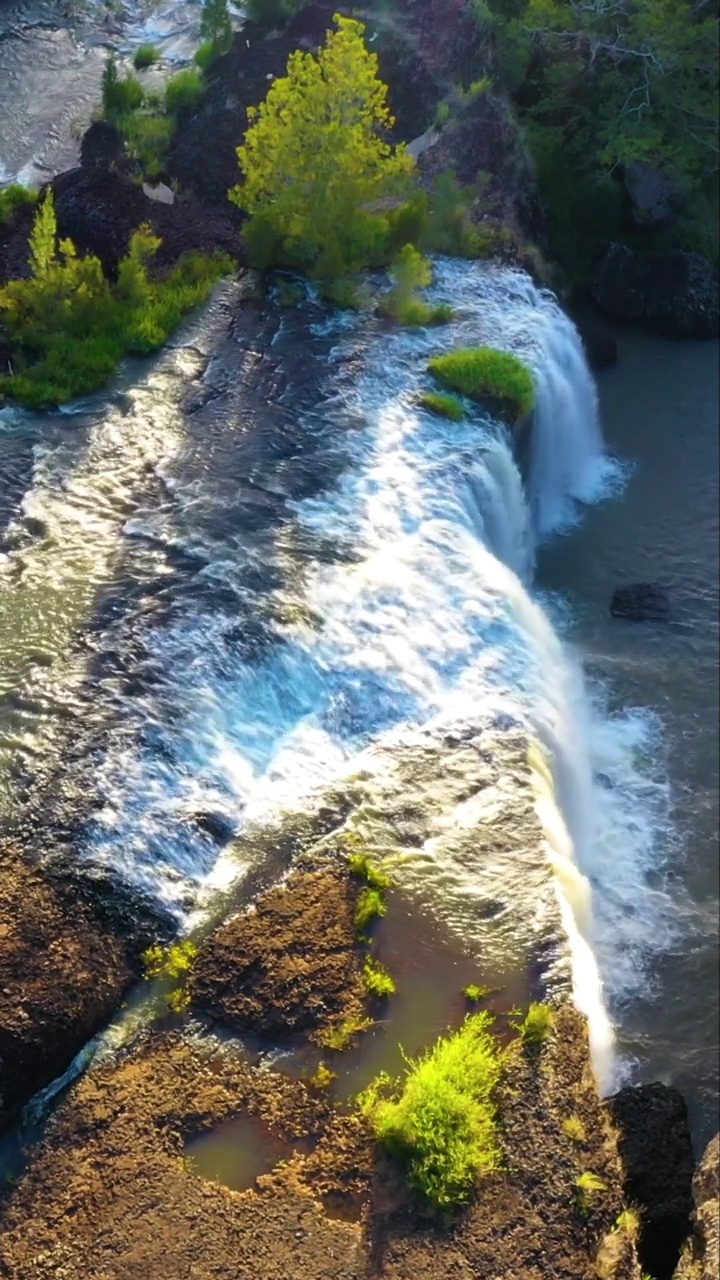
column 401, row 597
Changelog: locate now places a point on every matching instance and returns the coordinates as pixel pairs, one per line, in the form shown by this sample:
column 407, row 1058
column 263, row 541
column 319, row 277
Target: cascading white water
column 428, row 620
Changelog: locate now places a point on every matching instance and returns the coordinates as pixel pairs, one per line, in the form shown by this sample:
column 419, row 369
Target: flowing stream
column 256, row 560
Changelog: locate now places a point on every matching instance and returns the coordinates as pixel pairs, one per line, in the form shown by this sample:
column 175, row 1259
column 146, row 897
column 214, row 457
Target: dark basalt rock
column 641, row 602
column 101, row 145
column 701, row 1255
column 668, row 291
column 657, row 1155
column 601, row 351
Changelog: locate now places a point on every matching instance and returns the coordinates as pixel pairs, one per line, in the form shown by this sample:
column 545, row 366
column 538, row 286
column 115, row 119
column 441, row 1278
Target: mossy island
column 498, row 380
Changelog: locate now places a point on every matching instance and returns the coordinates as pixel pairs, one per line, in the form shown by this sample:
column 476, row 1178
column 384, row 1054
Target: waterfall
column 394, row 596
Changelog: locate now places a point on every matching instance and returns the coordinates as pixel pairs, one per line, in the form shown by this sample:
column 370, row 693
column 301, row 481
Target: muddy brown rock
column 65, row 966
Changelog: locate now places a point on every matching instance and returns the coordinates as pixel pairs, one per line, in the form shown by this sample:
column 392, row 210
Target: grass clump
column 487, row 375
column 146, row 56
column 442, row 404
column 184, row 90
column 378, row 982
column 589, row 1186
column 410, row 271
column 575, row 1129
column 440, row 1120
column 13, row 198
column 341, row 1035
column 474, row 992
column 535, row 1027
column 70, row 327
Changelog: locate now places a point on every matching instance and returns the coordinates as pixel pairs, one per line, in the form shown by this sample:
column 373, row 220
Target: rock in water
column 668, row 291
column 656, row 1151
column 701, row 1256
column 641, row 602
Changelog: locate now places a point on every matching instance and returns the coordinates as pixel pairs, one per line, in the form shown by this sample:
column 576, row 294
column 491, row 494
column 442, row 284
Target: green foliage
column 442, row 114
column 445, row 406
column 205, row 56
column 13, row 198
column 71, row 327
column 411, row 271
column 147, row 137
column 589, row 1186
column 474, row 992
column 363, row 866
column 605, row 85
column 341, row 1035
column 316, row 165
column 272, row 13
column 448, row 228
column 440, row 1120
column 174, row 961
column 575, row 1129
column 184, row 91
column 487, row 375
column 370, row 906
column 216, row 27
column 323, row 1077
column 145, row 56
column 378, row 982
column 120, row 95
column 536, row 1026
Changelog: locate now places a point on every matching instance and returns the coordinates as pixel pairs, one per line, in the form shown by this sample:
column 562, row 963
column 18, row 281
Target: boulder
column 101, row 145
column 649, row 194
column 668, row 291
column 657, row 1156
column 701, row 1256
column 640, row 602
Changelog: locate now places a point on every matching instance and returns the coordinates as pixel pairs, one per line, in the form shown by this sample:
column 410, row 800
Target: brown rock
column 701, row 1256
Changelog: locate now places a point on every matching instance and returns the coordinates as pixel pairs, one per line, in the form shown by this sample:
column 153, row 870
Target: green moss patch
column 488, row 376
column 442, row 404
column 440, row 1121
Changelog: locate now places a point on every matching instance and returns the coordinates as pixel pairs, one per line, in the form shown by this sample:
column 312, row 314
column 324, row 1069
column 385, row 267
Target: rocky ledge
column 668, row 291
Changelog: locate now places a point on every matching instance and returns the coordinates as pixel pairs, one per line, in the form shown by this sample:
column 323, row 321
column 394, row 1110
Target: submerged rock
column 668, row 291
column 641, row 602
column 701, row 1256
column 657, row 1155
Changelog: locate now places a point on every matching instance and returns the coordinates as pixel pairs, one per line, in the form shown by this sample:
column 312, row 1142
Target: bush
column 146, row 139
column 409, row 272
column 474, row 992
column 444, row 406
column 145, row 56
column 488, row 376
column 448, row 228
column 535, row 1027
column 440, row 1120
column 378, row 982
column 13, row 198
column 205, row 55
column 76, row 327
column 184, row 91
column 341, row 1036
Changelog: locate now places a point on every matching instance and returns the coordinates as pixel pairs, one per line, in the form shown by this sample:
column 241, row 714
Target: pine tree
column 215, row 25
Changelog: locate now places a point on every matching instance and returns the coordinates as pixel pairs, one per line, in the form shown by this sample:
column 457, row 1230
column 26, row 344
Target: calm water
column 660, row 413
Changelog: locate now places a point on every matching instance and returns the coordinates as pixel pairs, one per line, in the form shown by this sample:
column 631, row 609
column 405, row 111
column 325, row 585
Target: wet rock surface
column 656, row 1151
column 701, row 1255
column 670, row 292
column 66, row 961
column 641, row 602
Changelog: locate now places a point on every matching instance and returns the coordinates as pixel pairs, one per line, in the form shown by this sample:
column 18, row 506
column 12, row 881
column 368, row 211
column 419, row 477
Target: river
column 255, row 557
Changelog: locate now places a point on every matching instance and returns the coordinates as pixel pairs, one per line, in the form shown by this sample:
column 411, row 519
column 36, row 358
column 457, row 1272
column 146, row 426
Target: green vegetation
column 410, row 272
column 600, row 87
column 536, row 1026
column 13, row 198
column 442, row 404
column 121, row 95
column 172, row 964
column 215, row 31
column 575, row 1129
column 184, row 91
column 71, row 327
column 378, row 982
column 487, row 375
column 589, row 1186
column 371, row 905
column 323, row 1077
column 272, row 13
column 363, row 866
column 475, row 993
column 629, row 1222
column 340, row 1036
column 145, row 56
column 316, row 166
column 440, row 1119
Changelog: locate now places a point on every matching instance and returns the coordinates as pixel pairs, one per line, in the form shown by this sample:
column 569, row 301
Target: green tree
column 215, row 26
column 43, row 237
column 317, row 169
